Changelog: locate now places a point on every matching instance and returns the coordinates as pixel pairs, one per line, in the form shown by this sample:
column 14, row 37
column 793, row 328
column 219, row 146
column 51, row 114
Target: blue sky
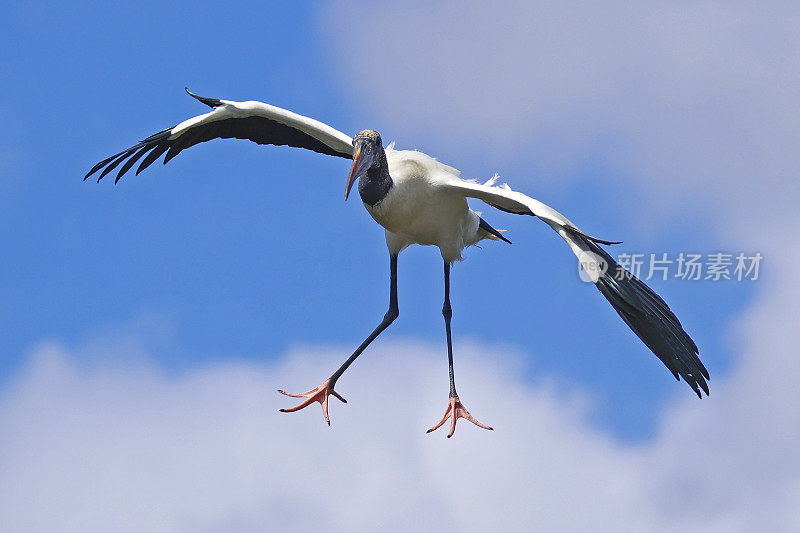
column 146, row 326
column 237, row 251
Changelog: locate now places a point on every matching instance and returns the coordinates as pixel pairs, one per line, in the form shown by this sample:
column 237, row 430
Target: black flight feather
column 652, row 321
column 645, row 313
column 260, row 130
column 210, row 102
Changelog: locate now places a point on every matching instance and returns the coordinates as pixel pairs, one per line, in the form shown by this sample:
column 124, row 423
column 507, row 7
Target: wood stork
column 419, row 200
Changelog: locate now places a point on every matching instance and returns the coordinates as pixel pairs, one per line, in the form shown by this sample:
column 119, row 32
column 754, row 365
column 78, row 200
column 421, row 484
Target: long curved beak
column 351, row 178
column 362, row 160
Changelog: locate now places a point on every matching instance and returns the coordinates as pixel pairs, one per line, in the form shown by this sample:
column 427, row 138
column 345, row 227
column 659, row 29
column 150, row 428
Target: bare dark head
column 367, row 136
column 368, row 154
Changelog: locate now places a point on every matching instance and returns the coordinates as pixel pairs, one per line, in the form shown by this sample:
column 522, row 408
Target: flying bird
column 419, row 200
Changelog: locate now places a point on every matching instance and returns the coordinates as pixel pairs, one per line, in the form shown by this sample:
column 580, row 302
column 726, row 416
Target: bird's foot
column 320, row 394
column 456, row 410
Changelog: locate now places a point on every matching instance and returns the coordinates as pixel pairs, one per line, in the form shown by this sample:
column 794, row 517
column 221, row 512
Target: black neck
column 375, row 184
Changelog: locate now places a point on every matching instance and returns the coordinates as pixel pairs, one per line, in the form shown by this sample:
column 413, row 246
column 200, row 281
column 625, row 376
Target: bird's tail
column 488, row 232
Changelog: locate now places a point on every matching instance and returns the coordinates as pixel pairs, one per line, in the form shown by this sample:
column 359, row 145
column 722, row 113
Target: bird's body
column 419, row 200
column 420, row 208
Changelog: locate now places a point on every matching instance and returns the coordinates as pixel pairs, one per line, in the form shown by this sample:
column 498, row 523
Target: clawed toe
column 456, row 410
column 319, row 394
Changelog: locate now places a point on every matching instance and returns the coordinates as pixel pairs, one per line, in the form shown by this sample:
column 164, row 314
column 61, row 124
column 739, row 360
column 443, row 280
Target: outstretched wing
column 641, row 308
column 255, row 121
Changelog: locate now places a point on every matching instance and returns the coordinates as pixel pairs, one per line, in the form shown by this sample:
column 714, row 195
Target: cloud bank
column 695, row 105
column 125, row 447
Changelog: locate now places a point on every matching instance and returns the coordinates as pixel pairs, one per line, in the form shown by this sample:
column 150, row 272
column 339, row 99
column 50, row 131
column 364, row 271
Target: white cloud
column 688, row 101
column 691, row 111
column 126, row 448
column 694, row 103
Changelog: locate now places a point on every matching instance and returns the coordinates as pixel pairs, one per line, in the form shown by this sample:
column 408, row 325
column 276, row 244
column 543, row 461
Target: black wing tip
column 576, row 231
column 154, row 142
column 652, row 321
column 210, row 102
column 697, row 382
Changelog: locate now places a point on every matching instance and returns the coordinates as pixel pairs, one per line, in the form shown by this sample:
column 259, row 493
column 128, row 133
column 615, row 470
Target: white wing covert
column 254, row 121
column 641, row 308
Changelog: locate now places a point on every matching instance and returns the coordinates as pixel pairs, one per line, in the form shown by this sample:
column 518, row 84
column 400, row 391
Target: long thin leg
column 321, row 393
column 388, row 318
column 447, row 312
column 455, row 409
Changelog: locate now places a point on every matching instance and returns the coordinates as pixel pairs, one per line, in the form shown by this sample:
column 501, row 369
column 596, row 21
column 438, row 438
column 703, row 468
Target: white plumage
column 419, row 200
column 428, row 206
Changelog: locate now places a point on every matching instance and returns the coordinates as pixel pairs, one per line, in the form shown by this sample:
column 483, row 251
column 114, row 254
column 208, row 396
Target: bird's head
column 368, row 154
